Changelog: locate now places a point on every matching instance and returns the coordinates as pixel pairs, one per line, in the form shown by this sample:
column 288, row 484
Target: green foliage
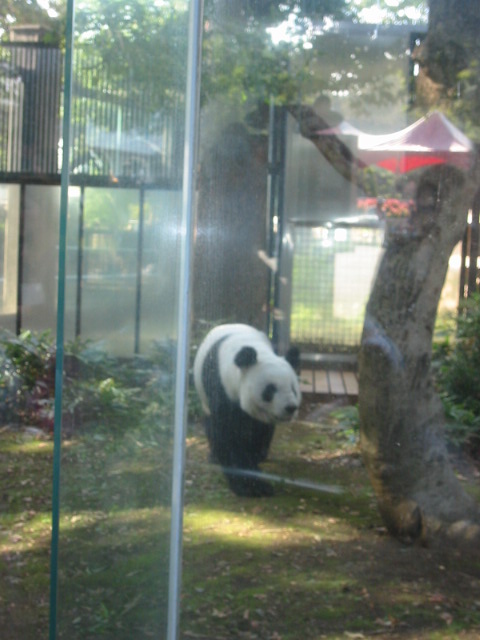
column 99, row 390
column 349, row 420
column 27, row 373
column 110, row 209
column 31, row 355
column 119, row 392
column 457, row 367
column 465, row 108
column 252, row 50
column 143, row 40
column 49, row 15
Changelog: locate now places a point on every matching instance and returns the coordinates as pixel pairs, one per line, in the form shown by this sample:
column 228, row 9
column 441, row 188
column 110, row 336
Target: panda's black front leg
column 240, row 467
column 239, row 443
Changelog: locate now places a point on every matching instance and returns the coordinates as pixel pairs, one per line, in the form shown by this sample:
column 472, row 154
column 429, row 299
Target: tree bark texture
column 401, row 417
column 230, row 279
column 330, row 146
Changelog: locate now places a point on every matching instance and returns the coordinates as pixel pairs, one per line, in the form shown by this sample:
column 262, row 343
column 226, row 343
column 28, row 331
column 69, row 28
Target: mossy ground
column 303, row 564
column 308, row 564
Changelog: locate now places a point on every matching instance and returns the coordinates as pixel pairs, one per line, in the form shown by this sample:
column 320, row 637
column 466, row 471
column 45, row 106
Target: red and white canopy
column 431, row 140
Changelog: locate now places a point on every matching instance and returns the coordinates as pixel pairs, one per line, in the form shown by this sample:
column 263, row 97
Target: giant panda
column 245, row 389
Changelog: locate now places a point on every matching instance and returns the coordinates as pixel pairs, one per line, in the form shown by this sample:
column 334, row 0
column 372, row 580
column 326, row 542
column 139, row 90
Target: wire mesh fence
column 333, row 271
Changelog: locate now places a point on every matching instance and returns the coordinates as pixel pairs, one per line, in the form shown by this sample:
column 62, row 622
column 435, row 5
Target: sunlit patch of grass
column 302, row 564
column 16, row 446
column 261, row 566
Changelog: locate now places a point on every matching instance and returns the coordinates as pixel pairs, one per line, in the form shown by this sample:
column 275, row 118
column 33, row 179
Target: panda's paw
column 262, row 489
column 250, row 487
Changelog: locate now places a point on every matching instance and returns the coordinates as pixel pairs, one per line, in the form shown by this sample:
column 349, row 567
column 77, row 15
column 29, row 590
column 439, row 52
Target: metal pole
column 80, row 248
column 70, row 17
column 280, row 150
column 182, row 363
column 138, row 292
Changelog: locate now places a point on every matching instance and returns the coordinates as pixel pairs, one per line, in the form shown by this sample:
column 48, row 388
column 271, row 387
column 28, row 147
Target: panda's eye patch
column 268, row 393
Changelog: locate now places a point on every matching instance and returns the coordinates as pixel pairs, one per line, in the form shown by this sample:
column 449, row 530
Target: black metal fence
column 119, row 130
column 30, row 86
column 470, row 272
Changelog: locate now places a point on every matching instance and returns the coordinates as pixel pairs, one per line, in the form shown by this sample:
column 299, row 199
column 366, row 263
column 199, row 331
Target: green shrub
column 349, row 420
column 99, row 390
column 457, row 368
column 118, row 392
column 27, row 378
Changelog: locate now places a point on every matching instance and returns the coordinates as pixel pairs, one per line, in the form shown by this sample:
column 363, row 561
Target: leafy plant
column 99, row 389
column 27, row 377
column 457, row 367
column 349, row 420
column 102, row 389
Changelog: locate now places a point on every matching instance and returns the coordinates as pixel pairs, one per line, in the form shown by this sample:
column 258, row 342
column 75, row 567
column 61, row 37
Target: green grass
column 303, row 564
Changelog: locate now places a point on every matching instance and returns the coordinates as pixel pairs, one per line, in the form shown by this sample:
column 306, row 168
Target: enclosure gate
column 332, row 274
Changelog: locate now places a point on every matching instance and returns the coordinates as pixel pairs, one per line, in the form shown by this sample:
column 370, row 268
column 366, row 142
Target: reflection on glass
column 349, row 130
column 39, row 252
column 108, row 278
column 159, row 267
column 10, row 210
column 121, row 298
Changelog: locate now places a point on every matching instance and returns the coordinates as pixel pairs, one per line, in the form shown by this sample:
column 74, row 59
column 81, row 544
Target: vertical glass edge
column 67, row 93
column 183, row 334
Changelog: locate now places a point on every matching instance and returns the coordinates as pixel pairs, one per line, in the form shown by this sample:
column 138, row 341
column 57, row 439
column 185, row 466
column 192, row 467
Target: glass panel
column 9, row 248
column 338, row 210
column 122, row 240
column 160, row 267
column 40, row 258
column 122, row 295
column 109, row 263
column 74, row 257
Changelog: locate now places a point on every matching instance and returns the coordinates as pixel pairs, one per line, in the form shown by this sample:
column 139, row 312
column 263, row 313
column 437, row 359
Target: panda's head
column 269, row 389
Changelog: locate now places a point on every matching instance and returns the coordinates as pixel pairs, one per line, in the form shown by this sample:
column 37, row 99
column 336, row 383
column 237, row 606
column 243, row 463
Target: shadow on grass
column 114, row 536
column 302, row 564
column 310, row 565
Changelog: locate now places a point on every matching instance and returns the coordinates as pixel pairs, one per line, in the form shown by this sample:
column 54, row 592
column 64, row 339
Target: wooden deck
column 329, row 376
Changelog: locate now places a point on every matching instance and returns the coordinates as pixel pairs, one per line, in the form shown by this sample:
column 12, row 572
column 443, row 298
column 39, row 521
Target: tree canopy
column 49, row 14
column 253, row 49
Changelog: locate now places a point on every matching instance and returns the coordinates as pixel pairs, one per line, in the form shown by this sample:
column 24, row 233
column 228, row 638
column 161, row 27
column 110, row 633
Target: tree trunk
column 401, row 417
column 231, row 229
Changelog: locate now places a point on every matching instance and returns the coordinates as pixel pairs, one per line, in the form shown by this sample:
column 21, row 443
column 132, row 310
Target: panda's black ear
column 293, row 358
column 246, row 357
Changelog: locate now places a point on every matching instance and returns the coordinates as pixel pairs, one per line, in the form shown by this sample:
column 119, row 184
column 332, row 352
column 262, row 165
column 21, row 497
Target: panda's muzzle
column 290, row 409
column 288, row 412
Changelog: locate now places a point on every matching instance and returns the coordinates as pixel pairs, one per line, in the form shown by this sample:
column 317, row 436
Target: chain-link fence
column 333, row 271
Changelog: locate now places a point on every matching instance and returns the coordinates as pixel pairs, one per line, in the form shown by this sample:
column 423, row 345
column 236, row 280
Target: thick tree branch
column 338, row 154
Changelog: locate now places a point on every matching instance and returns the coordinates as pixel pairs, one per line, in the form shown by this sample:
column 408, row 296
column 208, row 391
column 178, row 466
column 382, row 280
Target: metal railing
column 120, row 131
